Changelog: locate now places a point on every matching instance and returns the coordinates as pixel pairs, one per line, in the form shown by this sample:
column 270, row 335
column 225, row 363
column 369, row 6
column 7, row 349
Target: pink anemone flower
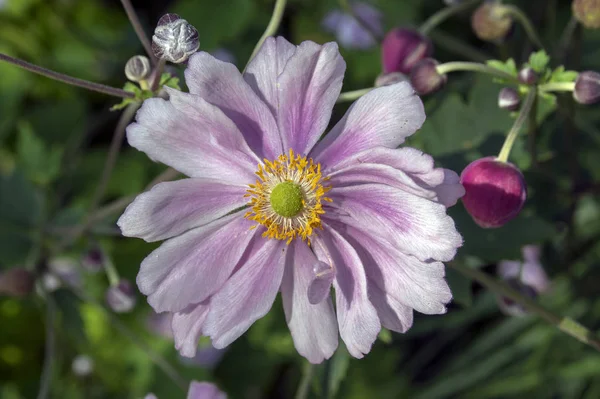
column 269, row 207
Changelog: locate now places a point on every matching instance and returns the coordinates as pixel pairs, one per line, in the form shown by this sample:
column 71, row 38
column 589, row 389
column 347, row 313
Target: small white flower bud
column 138, row 68
column 509, row 99
column 174, row 39
column 82, row 366
column 121, row 297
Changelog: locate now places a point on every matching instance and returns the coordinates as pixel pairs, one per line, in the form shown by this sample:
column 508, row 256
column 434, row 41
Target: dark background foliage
column 54, row 139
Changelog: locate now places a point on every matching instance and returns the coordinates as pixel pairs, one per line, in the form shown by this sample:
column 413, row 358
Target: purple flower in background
column 527, row 276
column 269, row 208
column 199, row 390
column 224, row 55
column 349, row 32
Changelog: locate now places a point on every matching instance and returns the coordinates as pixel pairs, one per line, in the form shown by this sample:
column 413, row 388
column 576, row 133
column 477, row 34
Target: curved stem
column 565, row 39
column 111, row 91
column 271, row 28
column 473, row 67
column 139, row 30
column 532, row 132
column 49, row 350
column 158, row 71
column 457, row 46
column 353, row 95
column 516, row 128
column 565, row 324
column 557, row 86
column 304, row 387
column 444, row 14
column 525, row 22
column 113, row 155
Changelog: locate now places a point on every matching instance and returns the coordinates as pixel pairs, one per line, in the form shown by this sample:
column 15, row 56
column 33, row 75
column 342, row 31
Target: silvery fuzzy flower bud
column 587, row 88
column 509, row 99
column 527, row 76
column 386, row 79
column 138, row 68
column 495, row 191
column 121, row 297
column 587, row 12
column 490, row 22
column 425, row 78
column 17, row 282
column 174, row 39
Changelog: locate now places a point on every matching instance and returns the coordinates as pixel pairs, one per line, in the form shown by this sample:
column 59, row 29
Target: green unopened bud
column 491, row 22
column 587, row 12
column 138, row 68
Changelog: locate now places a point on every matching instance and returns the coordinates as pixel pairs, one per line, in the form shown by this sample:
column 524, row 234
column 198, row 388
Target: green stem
column 525, row 22
column 111, row 91
column 565, row 39
column 444, row 14
column 111, row 273
column 457, row 46
column 532, row 134
column 516, row 128
column 137, row 27
column 304, row 387
column 158, row 71
column 557, row 86
column 271, row 28
column 565, row 324
column 353, row 95
column 473, row 67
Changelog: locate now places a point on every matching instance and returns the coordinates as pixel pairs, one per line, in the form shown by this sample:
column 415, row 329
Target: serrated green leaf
column 508, row 66
column 560, row 75
column 538, row 61
column 41, row 164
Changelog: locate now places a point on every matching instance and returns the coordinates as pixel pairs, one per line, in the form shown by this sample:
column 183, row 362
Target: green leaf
column 69, row 307
column 507, row 66
column 40, row 163
column 538, row 61
column 560, row 75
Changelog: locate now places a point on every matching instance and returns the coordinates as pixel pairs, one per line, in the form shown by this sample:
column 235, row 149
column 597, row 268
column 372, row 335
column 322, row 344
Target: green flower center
column 287, row 199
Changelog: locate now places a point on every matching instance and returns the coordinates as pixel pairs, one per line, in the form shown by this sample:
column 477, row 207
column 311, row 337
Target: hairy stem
column 271, row 28
column 139, row 30
column 565, row 324
column 516, row 128
column 111, row 91
column 353, row 95
column 473, row 67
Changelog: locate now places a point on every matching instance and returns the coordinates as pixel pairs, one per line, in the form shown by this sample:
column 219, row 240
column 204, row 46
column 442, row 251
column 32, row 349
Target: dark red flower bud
column 94, row 259
column 17, row 282
column 121, row 297
column 527, row 76
column 587, row 12
column 402, row 48
column 587, row 88
column 490, row 22
column 509, row 99
column 425, row 78
column 494, row 191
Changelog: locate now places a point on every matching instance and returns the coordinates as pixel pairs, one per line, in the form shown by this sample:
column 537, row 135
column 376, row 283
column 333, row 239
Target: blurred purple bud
column 138, row 68
column 402, row 48
column 206, row 357
column 205, row 390
column 587, row 12
column 349, row 32
column 509, row 99
column 160, row 323
column 82, row 366
column 17, row 282
column 320, row 287
column 494, row 191
column 94, row 259
column 121, row 298
column 386, row 79
column 490, row 22
column 174, row 39
column 587, row 88
column 425, row 78
column 65, row 269
column 527, row 76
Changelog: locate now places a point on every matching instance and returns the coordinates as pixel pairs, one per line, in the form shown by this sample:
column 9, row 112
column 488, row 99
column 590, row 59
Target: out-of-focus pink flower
column 526, row 276
column 403, row 48
column 349, row 32
column 267, row 203
column 199, row 390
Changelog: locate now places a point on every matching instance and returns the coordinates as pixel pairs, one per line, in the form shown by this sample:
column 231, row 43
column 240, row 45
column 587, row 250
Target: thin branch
column 565, row 324
column 353, row 95
column 445, row 13
column 516, row 127
column 111, row 91
column 139, row 30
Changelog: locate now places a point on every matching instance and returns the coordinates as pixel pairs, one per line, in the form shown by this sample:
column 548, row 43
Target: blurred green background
column 54, row 139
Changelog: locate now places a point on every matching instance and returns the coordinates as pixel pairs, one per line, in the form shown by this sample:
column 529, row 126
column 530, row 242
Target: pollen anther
column 291, row 176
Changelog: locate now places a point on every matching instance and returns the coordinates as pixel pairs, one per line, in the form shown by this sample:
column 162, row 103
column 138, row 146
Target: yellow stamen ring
column 286, row 198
